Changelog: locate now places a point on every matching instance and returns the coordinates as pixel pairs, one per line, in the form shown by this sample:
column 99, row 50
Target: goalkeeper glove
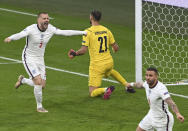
column 71, row 53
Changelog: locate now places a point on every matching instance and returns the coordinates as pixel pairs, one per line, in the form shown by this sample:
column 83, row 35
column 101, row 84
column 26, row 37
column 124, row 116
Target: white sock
column 38, row 95
column 27, row 81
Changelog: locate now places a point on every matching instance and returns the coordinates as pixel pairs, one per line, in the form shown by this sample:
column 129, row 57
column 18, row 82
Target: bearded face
column 151, row 78
column 43, row 21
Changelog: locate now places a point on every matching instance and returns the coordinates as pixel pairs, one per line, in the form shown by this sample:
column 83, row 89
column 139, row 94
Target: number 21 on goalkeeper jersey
column 98, row 40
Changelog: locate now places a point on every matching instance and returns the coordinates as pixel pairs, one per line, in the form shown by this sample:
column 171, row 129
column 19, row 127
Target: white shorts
column 164, row 124
column 34, row 66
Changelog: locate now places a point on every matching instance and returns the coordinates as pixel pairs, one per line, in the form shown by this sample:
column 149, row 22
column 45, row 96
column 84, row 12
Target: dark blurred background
column 115, row 11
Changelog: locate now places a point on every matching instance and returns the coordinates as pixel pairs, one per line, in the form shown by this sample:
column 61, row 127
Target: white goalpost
column 161, row 39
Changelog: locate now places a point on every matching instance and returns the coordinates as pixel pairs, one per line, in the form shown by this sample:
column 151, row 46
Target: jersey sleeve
column 20, row 35
column 57, row 31
column 164, row 92
column 85, row 39
column 69, row 32
column 111, row 38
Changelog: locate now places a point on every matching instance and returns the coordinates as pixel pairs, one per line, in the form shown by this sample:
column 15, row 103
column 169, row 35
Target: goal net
column 161, row 39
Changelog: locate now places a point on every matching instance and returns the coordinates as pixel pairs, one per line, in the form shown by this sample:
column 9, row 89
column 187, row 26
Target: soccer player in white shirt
column 158, row 117
column 37, row 37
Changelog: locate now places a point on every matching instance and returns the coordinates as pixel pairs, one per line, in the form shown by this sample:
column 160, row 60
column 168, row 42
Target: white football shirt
column 156, row 97
column 37, row 40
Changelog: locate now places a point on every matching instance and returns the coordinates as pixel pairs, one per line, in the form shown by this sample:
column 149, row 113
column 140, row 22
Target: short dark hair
column 153, row 69
column 41, row 13
column 96, row 15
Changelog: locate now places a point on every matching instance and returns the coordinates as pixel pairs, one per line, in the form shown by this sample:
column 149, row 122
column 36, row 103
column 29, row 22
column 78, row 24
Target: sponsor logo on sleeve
column 165, row 93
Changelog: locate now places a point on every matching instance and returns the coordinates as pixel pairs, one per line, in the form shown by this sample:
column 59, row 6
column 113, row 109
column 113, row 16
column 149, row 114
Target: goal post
column 138, row 41
column 161, row 39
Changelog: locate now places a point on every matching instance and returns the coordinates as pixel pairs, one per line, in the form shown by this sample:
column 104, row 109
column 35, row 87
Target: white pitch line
column 179, row 95
column 176, row 84
column 5, row 58
column 20, row 12
column 79, row 74
column 60, row 70
column 10, row 63
column 76, row 73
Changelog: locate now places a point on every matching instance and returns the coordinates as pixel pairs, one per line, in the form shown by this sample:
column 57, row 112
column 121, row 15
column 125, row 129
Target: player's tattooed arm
column 174, row 108
column 172, row 104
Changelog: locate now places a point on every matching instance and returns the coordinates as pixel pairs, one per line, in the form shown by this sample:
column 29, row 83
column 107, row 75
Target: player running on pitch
column 37, row 37
column 158, row 117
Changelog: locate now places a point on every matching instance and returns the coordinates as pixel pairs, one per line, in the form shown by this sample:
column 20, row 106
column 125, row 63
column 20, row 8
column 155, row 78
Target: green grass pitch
column 66, row 95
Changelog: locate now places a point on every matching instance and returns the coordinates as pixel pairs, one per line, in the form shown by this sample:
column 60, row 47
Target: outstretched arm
column 174, row 108
column 70, row 32
column 82, row 50
column 137, row 84
column 17, row 36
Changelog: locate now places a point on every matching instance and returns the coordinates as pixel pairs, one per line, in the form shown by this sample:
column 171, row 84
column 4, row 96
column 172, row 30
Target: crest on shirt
column 42, row 35
column 33, row 71
column 149, row 91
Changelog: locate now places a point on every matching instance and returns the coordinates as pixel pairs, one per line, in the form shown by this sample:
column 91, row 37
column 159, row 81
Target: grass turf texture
column 66, row 95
